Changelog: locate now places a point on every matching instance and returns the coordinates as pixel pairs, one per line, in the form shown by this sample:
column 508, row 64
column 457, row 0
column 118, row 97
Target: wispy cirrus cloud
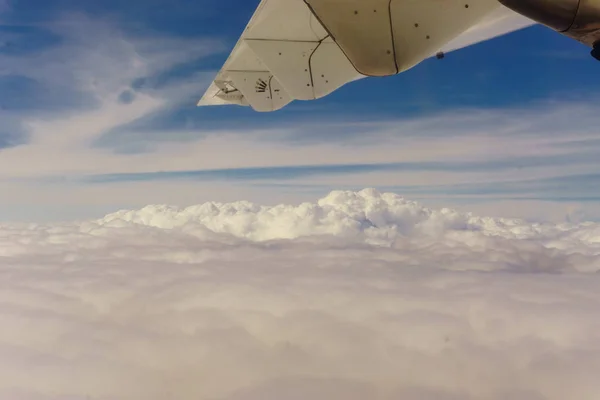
column 470, row 154
column 473, row 136
column 103, row 107
column 4, row 5
column 87, row 72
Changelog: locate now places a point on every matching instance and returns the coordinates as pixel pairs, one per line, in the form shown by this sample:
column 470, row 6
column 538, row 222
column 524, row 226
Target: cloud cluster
column 360, row 296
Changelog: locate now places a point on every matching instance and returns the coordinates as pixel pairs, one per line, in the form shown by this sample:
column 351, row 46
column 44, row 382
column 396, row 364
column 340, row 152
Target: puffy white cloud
column 359, row 296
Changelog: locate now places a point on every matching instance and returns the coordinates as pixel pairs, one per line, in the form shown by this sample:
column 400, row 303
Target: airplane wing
column 307, row 49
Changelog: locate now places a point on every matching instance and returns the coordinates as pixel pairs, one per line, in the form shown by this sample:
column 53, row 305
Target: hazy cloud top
column 361, row 295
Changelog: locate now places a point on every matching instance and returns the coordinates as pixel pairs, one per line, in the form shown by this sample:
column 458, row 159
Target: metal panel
column 578, row 19
column 229, row 94
column 364, row 42
column 586, row 27
column 557, row 14
column 331, row 69
column 423, row 27
column 244, row 59
column 280, row 98
column 289, row 61
column 285, row 19
column 497, row 23
column 260, row 89
column 385, row 37
column 363, row 31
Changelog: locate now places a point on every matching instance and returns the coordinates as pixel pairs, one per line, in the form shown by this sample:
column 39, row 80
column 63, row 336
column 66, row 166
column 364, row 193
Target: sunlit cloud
column 360, row 295
column 190, row 293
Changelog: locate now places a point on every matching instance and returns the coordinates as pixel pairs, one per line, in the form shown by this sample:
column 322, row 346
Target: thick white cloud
column 360, row 296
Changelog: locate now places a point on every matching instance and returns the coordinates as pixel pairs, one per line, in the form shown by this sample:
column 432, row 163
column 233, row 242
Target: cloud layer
column 359, row 296
column 103, row 96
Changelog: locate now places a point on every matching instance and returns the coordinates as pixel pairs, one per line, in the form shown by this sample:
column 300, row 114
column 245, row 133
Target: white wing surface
column 306, row 49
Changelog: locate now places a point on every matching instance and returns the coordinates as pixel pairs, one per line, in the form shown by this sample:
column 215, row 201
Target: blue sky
column 97, row 111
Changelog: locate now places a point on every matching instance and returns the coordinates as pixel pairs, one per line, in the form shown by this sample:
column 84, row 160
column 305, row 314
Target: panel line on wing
column 289, row 62
column 329, row 43
column 362, row 30
column 312, row 79
column 393, row 38
column 261, row 89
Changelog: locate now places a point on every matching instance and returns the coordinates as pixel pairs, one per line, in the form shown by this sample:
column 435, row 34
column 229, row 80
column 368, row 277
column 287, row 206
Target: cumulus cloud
column 361, row 295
